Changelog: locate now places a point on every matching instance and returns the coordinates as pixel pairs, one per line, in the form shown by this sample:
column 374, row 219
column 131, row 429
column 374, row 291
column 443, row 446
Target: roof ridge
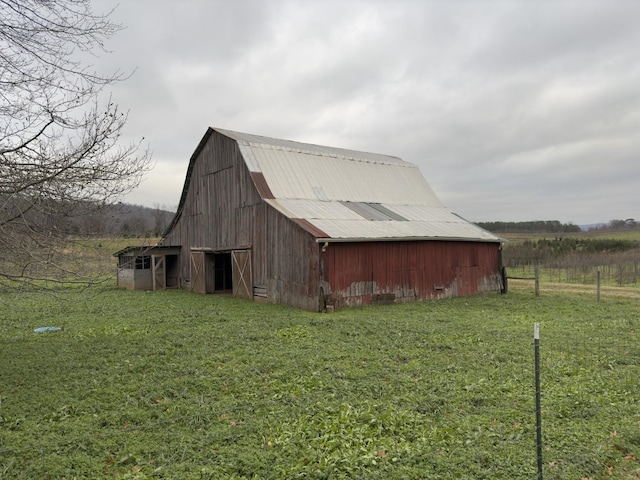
column 273, row 143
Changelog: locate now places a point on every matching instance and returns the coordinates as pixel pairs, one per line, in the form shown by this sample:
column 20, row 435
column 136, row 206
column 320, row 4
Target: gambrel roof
column 347, row 195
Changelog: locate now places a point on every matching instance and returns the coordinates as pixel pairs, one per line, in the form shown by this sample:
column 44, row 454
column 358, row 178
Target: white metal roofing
column 333, row 188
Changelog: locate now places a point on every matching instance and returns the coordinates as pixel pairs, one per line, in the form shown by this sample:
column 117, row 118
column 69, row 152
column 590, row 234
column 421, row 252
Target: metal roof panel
column 367, row 230
column 340, row 222
column 387, row 197
column 314, row 209
column 309, row 148
column 296, row 174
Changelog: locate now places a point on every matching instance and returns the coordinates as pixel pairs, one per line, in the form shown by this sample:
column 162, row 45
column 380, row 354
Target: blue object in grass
column 47, row 329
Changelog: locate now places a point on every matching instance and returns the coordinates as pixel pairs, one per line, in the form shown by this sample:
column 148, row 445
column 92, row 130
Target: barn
column 317, row 228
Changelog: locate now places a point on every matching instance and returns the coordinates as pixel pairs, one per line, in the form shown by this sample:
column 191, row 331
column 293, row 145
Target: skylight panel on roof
column 373, row 211
column 388, row 212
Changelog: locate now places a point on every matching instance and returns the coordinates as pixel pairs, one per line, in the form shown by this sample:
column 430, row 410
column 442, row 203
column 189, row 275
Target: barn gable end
column 319, row 227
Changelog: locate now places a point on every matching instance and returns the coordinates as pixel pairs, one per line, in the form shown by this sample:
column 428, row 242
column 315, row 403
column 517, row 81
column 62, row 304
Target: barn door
column 158, row 272
column 242, row 278
column 198, row 283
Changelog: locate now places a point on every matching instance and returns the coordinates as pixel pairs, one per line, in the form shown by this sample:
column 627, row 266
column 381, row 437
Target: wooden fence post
column 505, row 284
column 537, row 280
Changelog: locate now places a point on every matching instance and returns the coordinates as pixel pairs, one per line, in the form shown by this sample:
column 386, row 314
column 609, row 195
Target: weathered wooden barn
column 317, row 227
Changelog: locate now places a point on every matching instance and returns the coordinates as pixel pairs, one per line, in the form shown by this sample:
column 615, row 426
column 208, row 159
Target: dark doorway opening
column 173, row 271
column 223, row 277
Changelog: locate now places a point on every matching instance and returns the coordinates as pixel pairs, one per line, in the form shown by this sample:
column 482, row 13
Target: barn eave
column 405, row 239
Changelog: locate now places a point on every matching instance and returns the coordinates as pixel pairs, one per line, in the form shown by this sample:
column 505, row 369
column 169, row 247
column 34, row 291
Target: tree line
column 121, row 220
column 537, row 226
column 555, row 226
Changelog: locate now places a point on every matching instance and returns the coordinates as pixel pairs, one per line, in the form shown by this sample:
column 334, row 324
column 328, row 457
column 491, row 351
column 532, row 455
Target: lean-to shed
column 319, row 227
column 148, row 267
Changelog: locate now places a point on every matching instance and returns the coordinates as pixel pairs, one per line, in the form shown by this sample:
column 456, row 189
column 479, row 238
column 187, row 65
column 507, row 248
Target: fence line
column 584, row 376
column 535, row 278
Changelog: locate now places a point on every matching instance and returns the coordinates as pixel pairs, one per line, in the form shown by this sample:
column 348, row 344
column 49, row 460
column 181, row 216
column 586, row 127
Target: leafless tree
column 60, row 149
column 160, row 218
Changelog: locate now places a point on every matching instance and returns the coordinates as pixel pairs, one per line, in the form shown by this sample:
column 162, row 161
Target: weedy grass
column 170, row 384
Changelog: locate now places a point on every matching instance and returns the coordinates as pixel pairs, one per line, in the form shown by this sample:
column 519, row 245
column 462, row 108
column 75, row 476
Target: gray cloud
column 513, row 110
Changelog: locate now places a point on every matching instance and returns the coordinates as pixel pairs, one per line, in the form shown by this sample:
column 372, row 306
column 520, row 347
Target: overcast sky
column 513, row 110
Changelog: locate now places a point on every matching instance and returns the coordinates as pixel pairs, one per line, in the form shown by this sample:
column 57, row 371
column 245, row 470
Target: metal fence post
column 536, row 349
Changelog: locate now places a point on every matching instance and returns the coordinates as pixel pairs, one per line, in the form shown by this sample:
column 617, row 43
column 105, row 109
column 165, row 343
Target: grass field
column 171, row 384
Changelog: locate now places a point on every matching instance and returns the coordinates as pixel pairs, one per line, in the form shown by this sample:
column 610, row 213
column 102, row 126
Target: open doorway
column 222, row 272
column 173, row 271
column 165, row 270
column 223, row 275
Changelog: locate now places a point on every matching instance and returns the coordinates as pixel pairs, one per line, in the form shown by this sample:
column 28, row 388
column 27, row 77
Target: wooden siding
column 220, row 205
column 368, row 272
column 223, row 211
column 292, row 263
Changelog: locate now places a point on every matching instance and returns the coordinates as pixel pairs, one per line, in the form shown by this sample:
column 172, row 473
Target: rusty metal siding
column 305, row 224
column 261, row 185
column 361, row 273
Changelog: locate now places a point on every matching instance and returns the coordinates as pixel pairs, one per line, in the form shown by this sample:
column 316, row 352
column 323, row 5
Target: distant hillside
column 615, row 225
column 122, row 220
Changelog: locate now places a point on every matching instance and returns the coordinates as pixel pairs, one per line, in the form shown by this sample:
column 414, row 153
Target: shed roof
column 349, row 195
column 137, row 250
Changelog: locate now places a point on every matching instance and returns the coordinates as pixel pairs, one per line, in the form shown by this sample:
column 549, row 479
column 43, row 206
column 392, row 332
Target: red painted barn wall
column 368, row 272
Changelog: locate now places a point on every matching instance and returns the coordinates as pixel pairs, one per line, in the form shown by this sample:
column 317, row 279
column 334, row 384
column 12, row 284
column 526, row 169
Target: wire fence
column 588, row 380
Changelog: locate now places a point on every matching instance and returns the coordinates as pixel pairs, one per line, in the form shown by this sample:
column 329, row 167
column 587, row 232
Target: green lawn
column 178, row 385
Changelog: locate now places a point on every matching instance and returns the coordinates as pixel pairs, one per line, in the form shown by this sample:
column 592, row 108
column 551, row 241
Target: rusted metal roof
column 351, row 195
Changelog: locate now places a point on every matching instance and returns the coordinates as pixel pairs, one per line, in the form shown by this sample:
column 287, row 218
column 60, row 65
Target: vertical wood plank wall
column 223, row 211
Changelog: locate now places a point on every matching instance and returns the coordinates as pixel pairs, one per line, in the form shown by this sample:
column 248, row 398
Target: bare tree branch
column 60, row 149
